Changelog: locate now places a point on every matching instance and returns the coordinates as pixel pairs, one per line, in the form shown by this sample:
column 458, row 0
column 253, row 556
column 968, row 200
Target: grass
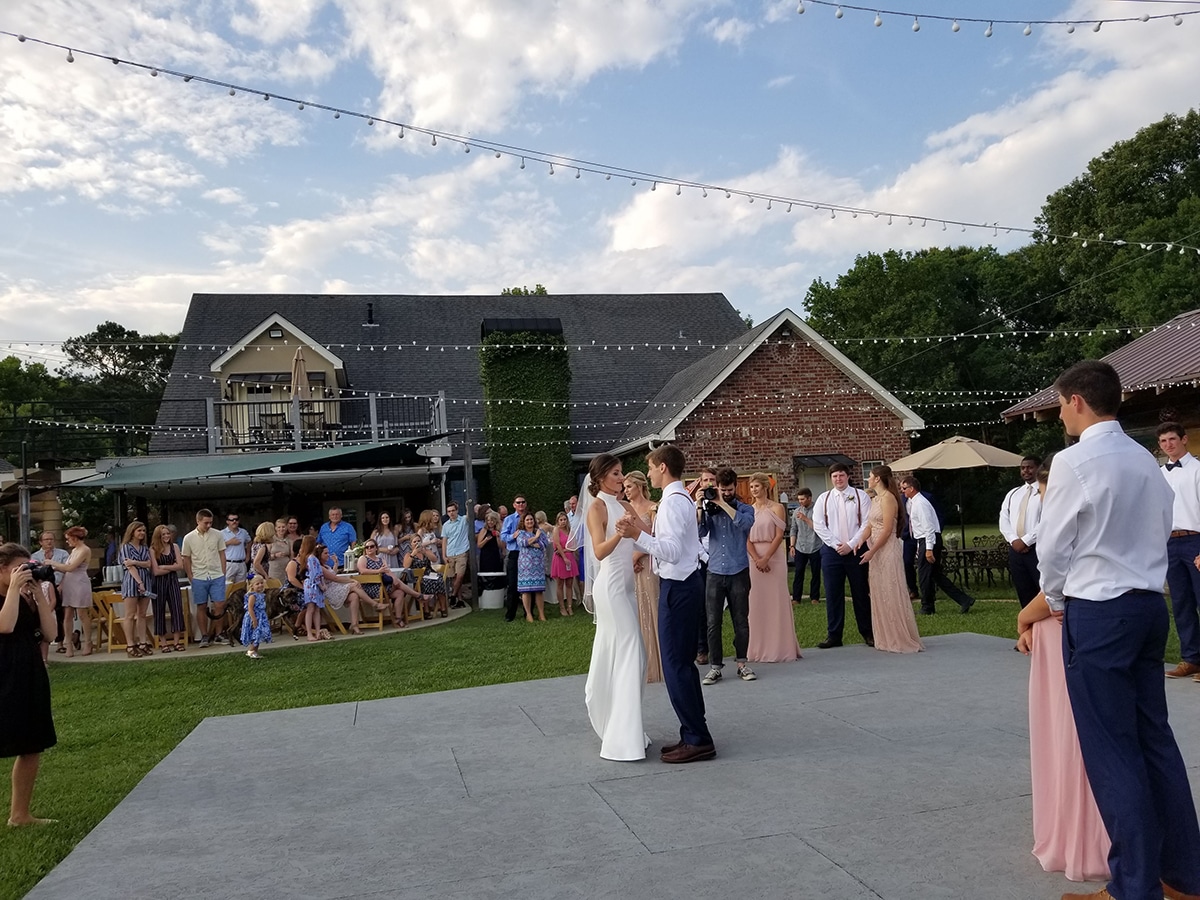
column 116, row 722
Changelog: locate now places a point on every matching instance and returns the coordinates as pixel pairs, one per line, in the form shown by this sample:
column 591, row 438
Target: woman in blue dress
column 134, row 558
column 531, row 566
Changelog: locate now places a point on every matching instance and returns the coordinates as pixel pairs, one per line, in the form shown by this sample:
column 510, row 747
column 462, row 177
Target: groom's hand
column 626, row 527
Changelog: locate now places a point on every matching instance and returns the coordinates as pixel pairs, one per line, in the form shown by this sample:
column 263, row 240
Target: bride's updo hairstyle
column 601, row 466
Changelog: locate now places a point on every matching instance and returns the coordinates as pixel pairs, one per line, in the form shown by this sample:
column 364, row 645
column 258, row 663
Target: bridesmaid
column 76, row 589
column 772, row 625
column 645, row 582
column 1068, row 834
column 892, row 617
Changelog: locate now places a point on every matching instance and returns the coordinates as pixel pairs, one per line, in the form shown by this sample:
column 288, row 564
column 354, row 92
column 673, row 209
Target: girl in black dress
column 26, row 725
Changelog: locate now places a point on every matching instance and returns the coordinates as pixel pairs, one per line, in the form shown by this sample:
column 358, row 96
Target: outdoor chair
column 112, row 607
column 374, row 578
column 275, row 428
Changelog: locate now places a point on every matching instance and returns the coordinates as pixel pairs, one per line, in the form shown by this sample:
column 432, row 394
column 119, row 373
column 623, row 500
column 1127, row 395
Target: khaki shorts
column 456, row 565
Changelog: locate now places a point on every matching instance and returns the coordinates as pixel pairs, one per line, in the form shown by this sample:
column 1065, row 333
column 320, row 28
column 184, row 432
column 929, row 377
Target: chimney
column 370, row 323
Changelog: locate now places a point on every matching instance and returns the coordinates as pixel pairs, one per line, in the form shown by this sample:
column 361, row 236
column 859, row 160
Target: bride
column 613, row 693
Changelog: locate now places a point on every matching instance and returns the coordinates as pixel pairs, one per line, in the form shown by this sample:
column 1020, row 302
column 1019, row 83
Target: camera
column 40, row 573
column 710, row 495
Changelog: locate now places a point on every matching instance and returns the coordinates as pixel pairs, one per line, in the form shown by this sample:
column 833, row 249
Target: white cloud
column 729, row 31
column 226, row 195
column 276, row 20
column 781, row 81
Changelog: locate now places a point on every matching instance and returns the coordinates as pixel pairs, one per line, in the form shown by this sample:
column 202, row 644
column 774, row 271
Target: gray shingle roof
column 650, row 324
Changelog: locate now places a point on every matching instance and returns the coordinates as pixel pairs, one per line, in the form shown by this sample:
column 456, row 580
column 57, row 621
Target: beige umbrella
column 957, row 452
column 300, row 375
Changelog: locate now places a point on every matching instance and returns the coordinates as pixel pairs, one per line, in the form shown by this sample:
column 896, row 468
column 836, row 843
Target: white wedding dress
column 618, row 671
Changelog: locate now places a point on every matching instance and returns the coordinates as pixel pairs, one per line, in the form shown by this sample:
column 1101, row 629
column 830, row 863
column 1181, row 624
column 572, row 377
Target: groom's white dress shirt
column 675, row 543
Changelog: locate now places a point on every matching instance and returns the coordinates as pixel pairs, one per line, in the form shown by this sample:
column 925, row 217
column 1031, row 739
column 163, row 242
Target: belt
column 1183, row 532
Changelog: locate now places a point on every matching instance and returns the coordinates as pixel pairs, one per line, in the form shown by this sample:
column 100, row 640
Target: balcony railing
column 256, row 425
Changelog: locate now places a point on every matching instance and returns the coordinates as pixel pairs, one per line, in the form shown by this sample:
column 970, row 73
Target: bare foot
column 32, row 820
column 529, row 618
column 540, row 619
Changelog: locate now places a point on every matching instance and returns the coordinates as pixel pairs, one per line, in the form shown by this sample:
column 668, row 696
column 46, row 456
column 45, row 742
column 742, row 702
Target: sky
column 122, row 193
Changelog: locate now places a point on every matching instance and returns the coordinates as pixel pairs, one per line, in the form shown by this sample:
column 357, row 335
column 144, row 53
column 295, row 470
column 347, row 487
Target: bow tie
column 1174, row 465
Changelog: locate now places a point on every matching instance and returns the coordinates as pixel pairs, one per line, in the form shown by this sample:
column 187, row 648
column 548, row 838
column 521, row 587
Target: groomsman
column 1103, row 557
column 927, row 531
column 1182, row 472
column 1019, row 517
column 840, row 518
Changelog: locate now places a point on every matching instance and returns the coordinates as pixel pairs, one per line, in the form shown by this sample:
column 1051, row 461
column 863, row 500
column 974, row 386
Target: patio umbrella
column 957, row 452
column 299, row 374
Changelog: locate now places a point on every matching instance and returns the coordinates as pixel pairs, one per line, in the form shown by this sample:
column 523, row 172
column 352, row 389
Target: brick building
column 782, row 400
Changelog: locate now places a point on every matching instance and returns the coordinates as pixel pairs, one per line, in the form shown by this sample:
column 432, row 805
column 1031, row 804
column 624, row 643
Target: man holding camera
column 727, row 521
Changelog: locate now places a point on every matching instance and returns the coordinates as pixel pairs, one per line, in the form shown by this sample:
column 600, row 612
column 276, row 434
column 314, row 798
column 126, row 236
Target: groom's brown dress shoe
column 669, row 748
column 1101, row 894
column 687, row 753
column 1174, row 894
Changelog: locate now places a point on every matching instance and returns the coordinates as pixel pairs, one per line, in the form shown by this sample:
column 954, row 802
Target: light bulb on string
column 232, row 92
column 70, row 56
column 1179, row 20
column 337, row 115
column 678, row 190
column 551, row 168
column 522, row 162
column 497, row 154
column 466, row 148
column 370, row 123
column 577, row 175
column 916, row 24
column 838, row 13
column 1070, row 28
column 401, row 135
column 800, row 8
column 435, row 140
column 654, row 186
column 1096, row 27
column 954, row 26
column 154, row 73
column 878, row 20
column 1028, row 30
column 988, row 31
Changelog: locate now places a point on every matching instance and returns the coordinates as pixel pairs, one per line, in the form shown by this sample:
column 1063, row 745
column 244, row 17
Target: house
column 392, row 394
column 1160, row 376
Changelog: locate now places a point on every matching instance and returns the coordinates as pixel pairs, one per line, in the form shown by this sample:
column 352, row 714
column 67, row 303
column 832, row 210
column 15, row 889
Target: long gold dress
column 892, row 617
column 646, row 587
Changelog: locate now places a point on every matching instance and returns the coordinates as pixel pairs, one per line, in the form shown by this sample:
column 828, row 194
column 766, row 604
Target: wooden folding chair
column 109, row 610
column 373, row 578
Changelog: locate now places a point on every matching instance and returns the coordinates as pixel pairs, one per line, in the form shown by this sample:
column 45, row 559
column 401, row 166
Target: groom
column 674, row 545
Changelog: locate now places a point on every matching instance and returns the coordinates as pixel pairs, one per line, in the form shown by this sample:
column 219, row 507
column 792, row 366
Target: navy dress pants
column 680, row 611
column 837, row 570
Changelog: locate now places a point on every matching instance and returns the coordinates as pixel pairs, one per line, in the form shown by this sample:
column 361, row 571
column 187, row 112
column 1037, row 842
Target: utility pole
column 468, row 484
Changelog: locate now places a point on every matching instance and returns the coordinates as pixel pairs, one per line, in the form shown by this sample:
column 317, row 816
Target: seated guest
column 427, row 556
column 395, row 589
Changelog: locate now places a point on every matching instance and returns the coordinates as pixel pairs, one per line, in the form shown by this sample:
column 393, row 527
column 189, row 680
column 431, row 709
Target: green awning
column 151, row 472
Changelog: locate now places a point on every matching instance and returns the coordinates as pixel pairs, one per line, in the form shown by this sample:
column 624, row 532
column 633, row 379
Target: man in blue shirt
column 726, row 521
column 338, row 536
column 456, row 543
column 508, row 530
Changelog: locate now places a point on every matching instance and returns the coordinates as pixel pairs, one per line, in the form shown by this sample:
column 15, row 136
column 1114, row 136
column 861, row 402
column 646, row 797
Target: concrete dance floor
column 849, row 774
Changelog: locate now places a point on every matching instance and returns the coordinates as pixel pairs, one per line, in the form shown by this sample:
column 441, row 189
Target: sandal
column 180, row 646
column 132, row 651
column 62, row 648
column 324, row 635
column 356, row 630
column 166, row 648
column 146, row 649
column 75, row 639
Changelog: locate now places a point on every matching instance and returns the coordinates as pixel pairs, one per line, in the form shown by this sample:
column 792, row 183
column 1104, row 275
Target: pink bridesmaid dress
column 772, row 626
column 1068, row 834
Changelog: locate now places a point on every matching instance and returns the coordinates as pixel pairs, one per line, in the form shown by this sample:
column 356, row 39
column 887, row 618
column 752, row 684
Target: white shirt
column 1011, row 511
column 923, row 522
column 675, row 543
column 850, row 508
column 1105, row 519
column 1185, row 482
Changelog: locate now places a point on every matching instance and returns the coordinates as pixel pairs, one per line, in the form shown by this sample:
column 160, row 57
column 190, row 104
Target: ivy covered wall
column 528, row 444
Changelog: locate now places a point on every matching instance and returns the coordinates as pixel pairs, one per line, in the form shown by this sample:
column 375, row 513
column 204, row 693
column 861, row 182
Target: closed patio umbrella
column 957, row 452
column 300, row 386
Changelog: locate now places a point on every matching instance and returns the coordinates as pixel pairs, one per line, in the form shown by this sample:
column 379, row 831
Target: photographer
column 26, row 724
column 726, row 522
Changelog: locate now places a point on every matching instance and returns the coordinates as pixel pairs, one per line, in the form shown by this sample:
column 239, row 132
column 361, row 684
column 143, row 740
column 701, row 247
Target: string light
column 580, row 165
column 1176, row 17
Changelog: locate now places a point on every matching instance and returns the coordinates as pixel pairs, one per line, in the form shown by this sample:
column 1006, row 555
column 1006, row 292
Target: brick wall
column 755, row 422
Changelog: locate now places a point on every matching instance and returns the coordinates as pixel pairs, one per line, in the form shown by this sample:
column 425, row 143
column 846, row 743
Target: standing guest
column 405, row 530
column 895, row 626
column 841, row 518
column 203, row 554
column 1019, row 516
column 564, row 566
column 337, row 536
column 727, row 521
column 76, row 590
column 491, row 556
column 135, row 594
column 260, row 550
column 45, row 554
column 294, row 537
column 645, row 582
column 293, row 590
column 384, row 537
column 674, row 546
column 312, row 560
column 544, row 526
column 928, row 532
column 572, row 510
column 1182, row 472
column 456, row 540
column 772, row 625
column 805, row 548
column 279, row 553
column 112, row 546
column 1102, row 548
column 481, row 511
column 531, row 567
column 165, row 566
column 508, row 531
column 256, row 627
column 237, row 545
column 28, row 729
column 1068, row 833
column 503, row 510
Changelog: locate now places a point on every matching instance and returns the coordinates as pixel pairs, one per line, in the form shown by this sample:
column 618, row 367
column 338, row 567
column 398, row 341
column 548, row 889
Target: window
column 868, row 466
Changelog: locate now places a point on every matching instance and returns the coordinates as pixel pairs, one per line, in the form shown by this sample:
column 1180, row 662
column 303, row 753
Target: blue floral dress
column 314, row 583
column 252, row 636
column 531, row 563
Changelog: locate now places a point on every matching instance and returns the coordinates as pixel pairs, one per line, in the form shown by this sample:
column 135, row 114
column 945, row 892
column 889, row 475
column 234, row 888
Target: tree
column 539, row 290
column 116, row 359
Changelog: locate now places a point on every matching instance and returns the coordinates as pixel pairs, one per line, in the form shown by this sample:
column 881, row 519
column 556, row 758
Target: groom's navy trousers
column 680, row 609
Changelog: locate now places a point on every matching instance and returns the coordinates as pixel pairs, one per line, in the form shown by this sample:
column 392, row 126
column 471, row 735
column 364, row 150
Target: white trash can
column 493, row 586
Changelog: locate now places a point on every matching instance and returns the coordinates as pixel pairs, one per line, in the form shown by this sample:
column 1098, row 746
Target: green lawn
column 115, row 722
